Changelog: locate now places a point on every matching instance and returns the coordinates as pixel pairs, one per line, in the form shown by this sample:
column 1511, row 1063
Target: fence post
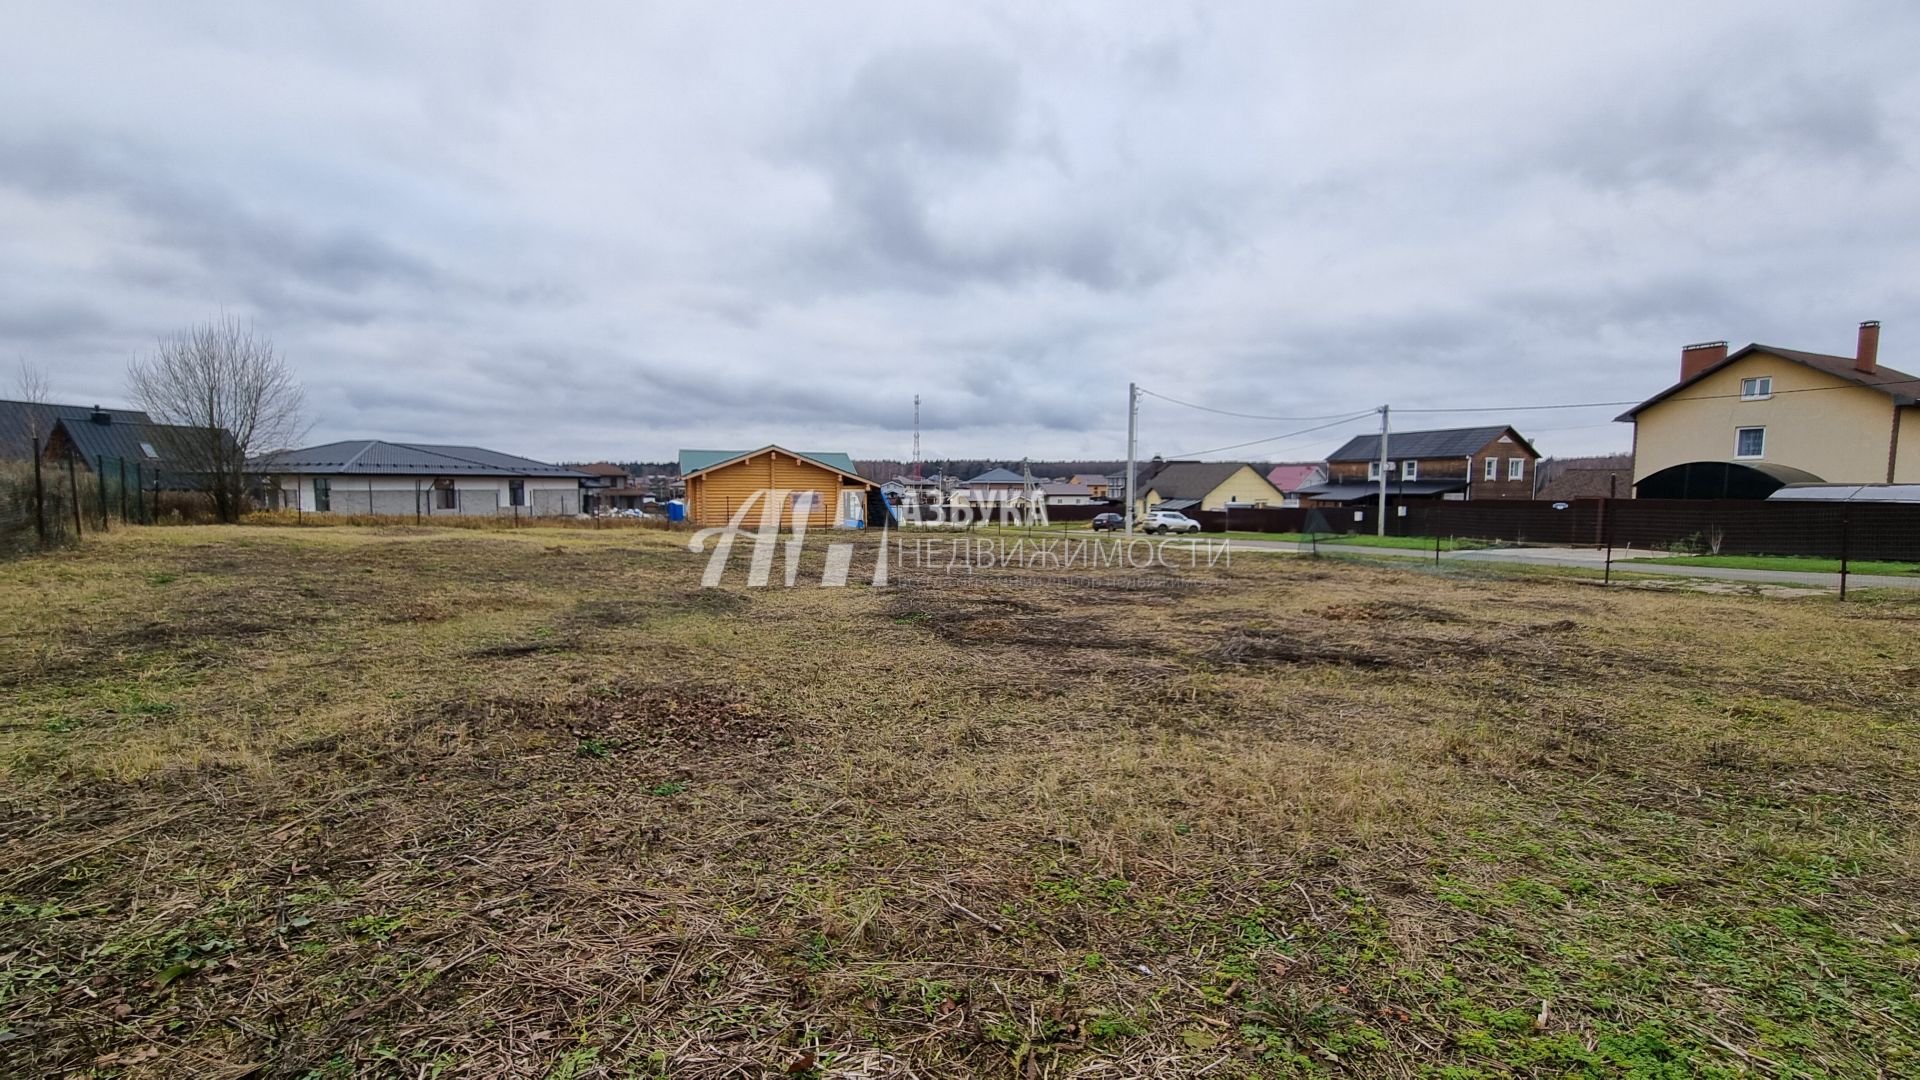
column 100, row 474
column 1436, row 547
column 140, row 493
column 73, row 488
column 1606, row 528
column 1846, row 534
column 39, row 497
column 123, row 491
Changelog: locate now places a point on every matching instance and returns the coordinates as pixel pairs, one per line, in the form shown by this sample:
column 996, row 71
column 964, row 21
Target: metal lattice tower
column 916, row 436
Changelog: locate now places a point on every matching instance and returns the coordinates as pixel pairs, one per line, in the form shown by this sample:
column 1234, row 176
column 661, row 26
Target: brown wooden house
column 824, row 488
column 1455, row 463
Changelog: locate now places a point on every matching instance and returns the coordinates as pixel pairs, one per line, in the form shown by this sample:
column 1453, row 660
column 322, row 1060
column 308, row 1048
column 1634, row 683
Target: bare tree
column 231, row 396
column 30, row 382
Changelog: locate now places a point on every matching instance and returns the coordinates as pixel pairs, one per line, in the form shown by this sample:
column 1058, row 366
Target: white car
column 1166, row 521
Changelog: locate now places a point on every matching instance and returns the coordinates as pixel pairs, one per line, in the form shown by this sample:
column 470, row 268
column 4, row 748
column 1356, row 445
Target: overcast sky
column 611, row 231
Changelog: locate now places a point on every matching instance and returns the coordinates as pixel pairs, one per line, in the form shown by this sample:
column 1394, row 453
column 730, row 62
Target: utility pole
column 1380, row 527
column 1133, row 417
column 916, row 439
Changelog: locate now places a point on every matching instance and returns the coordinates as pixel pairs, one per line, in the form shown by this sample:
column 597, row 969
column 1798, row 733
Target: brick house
column 1454, row 463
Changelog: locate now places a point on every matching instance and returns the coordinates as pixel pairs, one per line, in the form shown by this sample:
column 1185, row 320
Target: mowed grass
column 419, row 802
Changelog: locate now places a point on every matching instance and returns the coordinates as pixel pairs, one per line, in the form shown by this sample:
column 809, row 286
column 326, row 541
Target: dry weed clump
column 334, row 802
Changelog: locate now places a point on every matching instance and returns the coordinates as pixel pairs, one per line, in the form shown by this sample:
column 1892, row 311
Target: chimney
column 1866, row 355
column 1695, row 359
column 102, row 416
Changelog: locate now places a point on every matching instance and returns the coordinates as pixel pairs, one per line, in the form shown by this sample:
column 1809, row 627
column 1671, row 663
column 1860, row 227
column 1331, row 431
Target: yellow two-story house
column 1746, row 424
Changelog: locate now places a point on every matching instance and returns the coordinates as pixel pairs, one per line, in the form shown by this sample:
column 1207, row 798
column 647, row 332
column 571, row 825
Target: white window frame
column 1739, row 433
column 1410, row 470
column 1492, row 469
column 1516, row 468
column 1758, row 388
column 1373, row 469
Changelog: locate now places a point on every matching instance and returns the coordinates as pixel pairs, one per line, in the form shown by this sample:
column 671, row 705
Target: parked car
column 1109, row 522
column 1166, row 521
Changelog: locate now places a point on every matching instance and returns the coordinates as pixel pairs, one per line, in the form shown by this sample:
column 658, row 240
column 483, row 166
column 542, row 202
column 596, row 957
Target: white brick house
column 371, row 476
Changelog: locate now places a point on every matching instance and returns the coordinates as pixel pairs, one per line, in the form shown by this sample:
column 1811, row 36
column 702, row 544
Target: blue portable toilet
column 676, row 510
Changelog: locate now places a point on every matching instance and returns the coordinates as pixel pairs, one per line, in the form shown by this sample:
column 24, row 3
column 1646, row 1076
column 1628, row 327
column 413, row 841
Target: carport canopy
column 1721, row 480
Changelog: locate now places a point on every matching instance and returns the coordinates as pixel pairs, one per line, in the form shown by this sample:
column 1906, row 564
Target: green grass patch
column 1805, row 564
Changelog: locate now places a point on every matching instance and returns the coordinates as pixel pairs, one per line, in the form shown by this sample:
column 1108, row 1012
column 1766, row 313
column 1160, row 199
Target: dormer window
column 1759, row 389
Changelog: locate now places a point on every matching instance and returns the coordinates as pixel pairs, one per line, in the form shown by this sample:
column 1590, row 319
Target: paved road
column 1590, row 559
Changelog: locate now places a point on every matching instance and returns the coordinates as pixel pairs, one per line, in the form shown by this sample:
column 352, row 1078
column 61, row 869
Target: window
column 804, row 502
column 516, row 493
column 322, row 494
column 1492, row 471
column 147, row 449
column 1373, row 470
column 444, row 495
column 1409, row 470
column 1750, row 442
column 1516, row 468
column 1758, row 389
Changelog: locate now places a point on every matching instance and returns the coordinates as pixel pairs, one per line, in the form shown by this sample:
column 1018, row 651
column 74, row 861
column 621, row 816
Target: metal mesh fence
column 51, row 503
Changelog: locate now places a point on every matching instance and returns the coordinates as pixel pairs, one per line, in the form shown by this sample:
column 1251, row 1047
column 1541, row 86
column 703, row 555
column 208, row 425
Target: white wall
column 401, row 495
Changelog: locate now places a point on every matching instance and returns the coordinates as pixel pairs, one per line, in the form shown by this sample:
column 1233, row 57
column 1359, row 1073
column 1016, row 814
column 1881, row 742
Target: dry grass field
column 419, row 802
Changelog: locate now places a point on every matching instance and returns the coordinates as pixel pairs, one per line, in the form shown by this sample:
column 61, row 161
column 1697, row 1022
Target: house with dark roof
column 996, row 485
column 1747, row 423
column 1200, row 485
column 1452, row 463
column 821, row 488
column 156, row 456
column 1607, row 476
column 373, row 476
column 606, row 486
column 23, row 421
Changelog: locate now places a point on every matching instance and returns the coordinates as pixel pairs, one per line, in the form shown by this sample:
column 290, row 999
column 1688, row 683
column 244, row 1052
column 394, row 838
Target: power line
column 1241, row 415
column 1277, row 438
column 1531, row 408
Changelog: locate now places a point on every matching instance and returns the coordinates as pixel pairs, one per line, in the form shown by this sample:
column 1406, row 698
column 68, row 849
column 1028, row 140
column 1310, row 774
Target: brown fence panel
column 1252, row 519
column 1889, row 531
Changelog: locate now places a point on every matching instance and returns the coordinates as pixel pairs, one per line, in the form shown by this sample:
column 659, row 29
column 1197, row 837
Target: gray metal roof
column 1888, row 493
column 1445, row 443
column 998, row 476
column 19, row 420
column 1356, row 491
column 377, row 457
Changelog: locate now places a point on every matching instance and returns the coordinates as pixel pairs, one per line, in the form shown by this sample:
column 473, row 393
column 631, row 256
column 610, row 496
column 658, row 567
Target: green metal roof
column 693, row 461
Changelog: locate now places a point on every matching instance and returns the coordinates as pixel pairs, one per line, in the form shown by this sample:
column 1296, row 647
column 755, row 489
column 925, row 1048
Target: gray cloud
column 616, row 232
